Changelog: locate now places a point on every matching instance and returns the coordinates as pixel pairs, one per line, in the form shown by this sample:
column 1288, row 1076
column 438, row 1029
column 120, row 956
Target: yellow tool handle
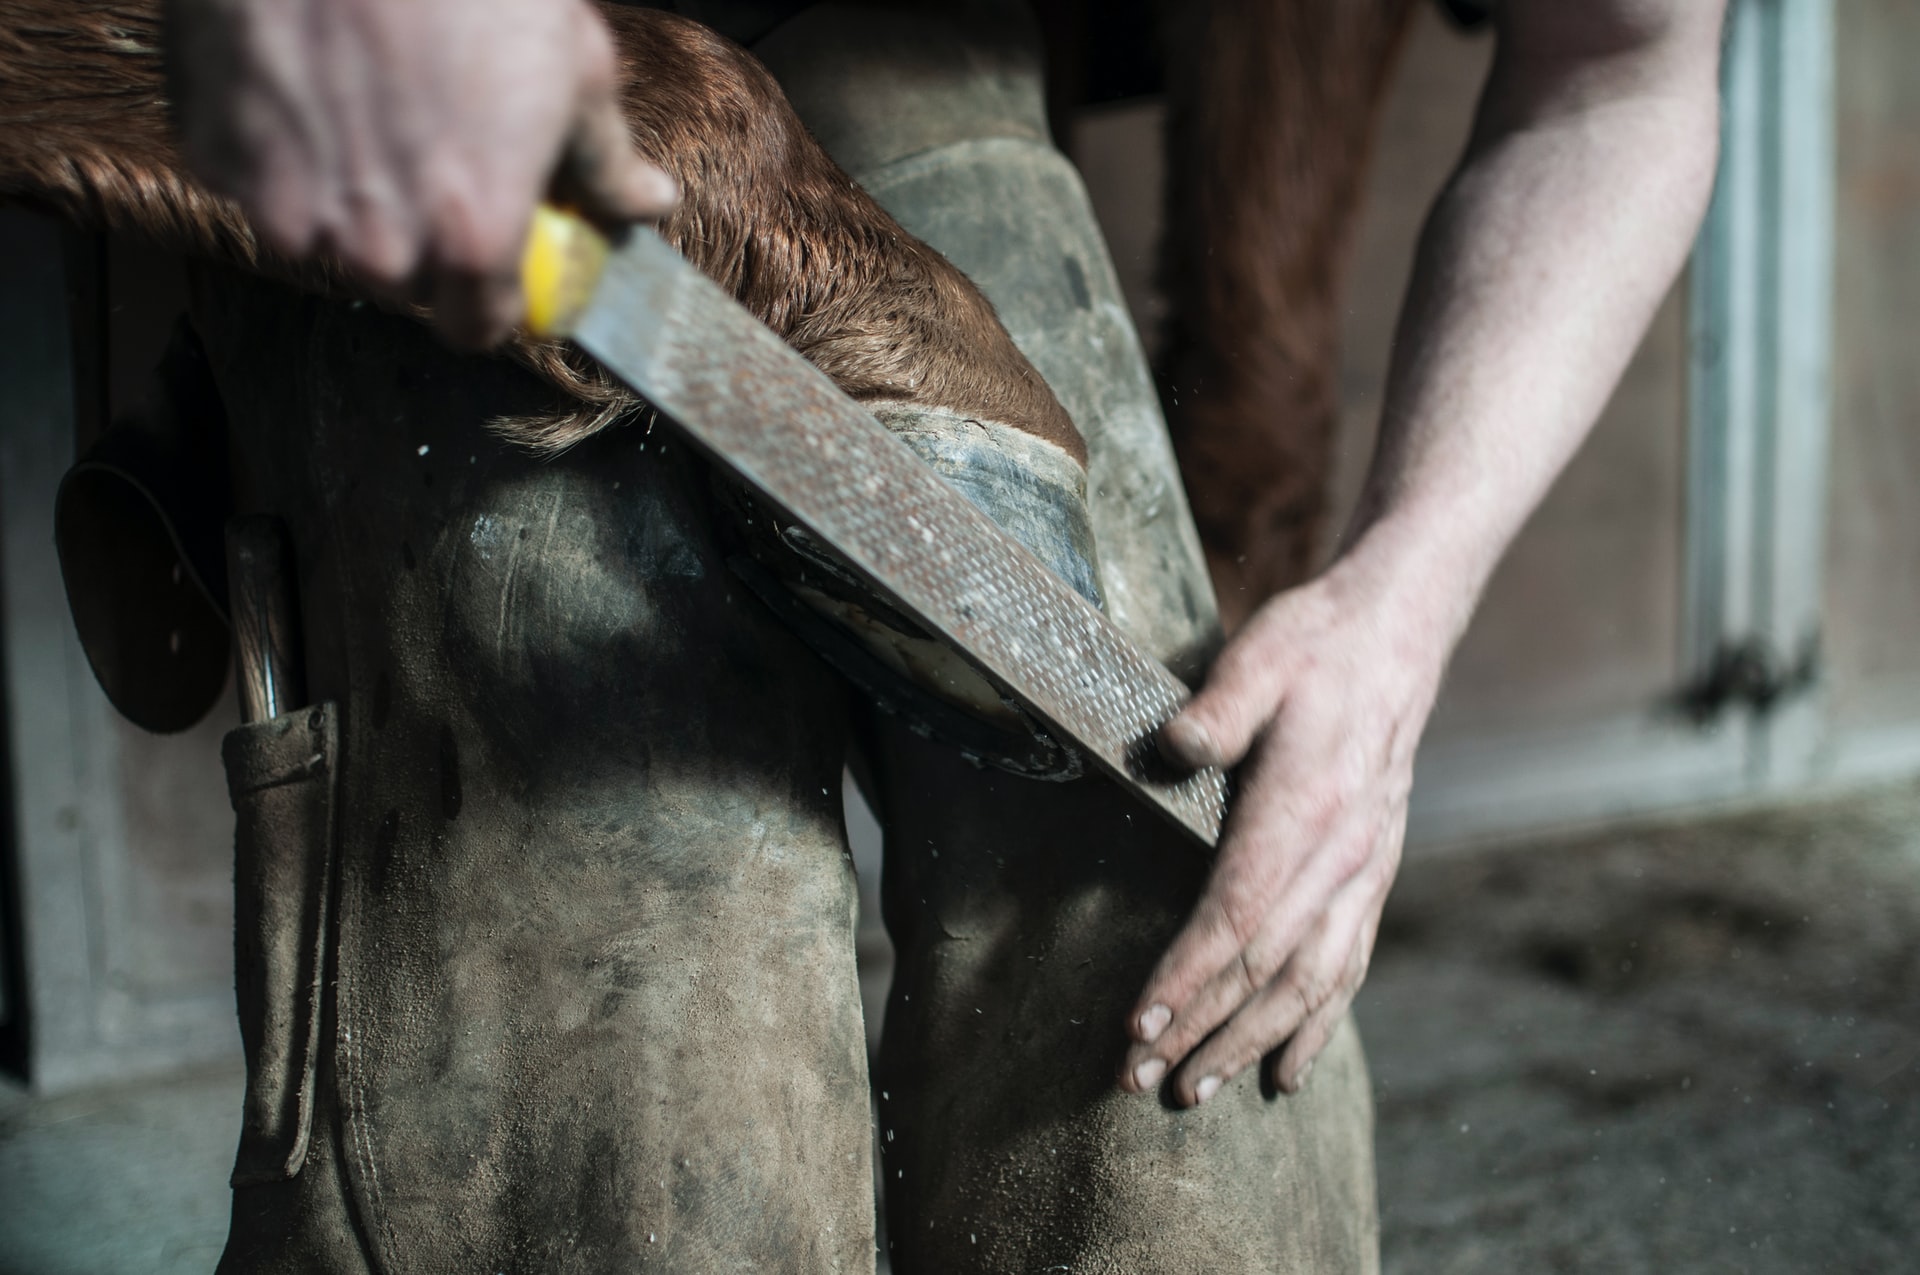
column 559, row 269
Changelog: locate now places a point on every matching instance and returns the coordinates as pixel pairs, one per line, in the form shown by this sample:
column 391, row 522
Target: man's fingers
column 605, row 176
column 1271, row 1016
column 380, row 240
column 1318, row 972
column 600, row 170
column 1223, row 922
column 1225, row 983
column 1364, row 899
column 1216, row 1001
column 286, row 193
column 476, row 309
column 1247, row 883
column 1260, row 908
column 1296, row 1060
column 1241, row 695
column 1300, row 957
column 1208, row 944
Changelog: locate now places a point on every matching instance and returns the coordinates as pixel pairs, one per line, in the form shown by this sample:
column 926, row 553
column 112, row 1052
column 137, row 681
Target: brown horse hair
column 85, row 132
column 1273, row 108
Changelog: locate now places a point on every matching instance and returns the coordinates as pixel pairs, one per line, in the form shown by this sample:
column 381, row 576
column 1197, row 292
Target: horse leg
column 1025, row 915
column 1272, row 110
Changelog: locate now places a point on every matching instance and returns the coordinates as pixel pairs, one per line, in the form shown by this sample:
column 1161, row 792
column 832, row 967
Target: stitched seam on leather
column 361, row 1130
column 311, row 768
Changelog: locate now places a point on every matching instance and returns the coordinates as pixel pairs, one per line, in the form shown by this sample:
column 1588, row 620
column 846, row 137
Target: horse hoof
column 1034, row 490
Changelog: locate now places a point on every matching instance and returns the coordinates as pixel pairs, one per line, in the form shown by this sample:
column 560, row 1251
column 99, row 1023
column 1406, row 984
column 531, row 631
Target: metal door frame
column 1760, row 339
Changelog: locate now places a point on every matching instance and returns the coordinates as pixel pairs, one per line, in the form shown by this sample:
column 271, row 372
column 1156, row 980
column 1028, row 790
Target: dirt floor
column 1685, row 1048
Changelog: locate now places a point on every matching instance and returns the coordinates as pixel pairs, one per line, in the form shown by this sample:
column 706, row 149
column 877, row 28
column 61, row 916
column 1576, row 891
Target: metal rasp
column 761, row 411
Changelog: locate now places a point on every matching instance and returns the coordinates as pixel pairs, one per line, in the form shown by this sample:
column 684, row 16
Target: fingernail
column 1148, row 1073
column 1186, row 741
column 1208, row 1086
column 1153, row 1022
column 652, row 187
column 1300, row 1078
column 664, row 188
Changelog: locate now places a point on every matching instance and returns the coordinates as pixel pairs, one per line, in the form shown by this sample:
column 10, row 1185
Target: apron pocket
column 282, row 775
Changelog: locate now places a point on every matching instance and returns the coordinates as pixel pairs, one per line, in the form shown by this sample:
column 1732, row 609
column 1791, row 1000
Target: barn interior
column 1643, row 998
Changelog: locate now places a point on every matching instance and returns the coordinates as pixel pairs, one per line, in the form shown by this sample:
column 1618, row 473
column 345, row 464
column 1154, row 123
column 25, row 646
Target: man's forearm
column 1538, row 271
column 1563, row 227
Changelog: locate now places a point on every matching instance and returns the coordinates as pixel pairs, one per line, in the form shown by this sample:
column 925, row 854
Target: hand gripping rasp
column 776, row 423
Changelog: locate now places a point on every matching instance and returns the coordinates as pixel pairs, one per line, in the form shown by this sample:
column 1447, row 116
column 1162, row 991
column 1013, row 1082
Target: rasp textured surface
column 767, row 415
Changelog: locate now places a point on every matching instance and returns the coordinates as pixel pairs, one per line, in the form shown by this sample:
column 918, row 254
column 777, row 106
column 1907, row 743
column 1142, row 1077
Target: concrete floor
column 118, row 1181
column 1693, row 1047
column 1688, row 1048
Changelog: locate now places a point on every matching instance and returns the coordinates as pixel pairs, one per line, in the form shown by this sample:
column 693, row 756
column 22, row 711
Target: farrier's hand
column 1324, row 694
column 1573, row 208
column 409, row 138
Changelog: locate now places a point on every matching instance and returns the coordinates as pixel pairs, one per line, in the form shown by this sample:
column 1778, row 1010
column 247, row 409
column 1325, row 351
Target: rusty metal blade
column 774, row 420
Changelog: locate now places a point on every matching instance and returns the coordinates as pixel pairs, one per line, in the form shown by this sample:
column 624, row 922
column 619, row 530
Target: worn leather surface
column 593, row 992
column 283, row 777
column 593, row 999
column 938, row 112
column 1026, row 916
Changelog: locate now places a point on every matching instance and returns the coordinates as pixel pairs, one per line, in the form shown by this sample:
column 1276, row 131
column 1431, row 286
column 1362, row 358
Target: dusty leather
column 1026, row 916
column 593, row 998
column 592, row 1002
column 938, row 113
column 283, row 775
